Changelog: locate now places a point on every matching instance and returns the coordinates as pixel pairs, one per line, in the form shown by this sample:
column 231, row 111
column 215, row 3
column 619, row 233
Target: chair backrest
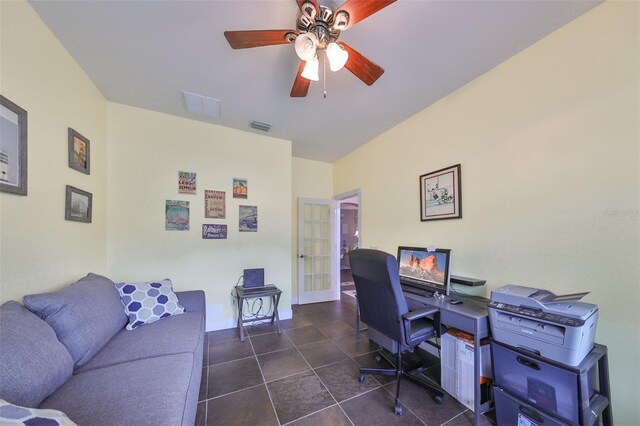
column 382, row 304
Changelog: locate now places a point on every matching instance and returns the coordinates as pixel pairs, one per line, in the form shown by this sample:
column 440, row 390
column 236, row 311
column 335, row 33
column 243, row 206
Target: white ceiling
column 143, row 53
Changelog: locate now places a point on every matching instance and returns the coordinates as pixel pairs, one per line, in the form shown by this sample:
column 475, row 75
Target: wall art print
column 186, row 183
column 240, row 188
column 214, row 232
column 248, row 219
column 441, row 194
column 214, row 204
column 78, row 205
column 13, row 148
column 176, row 215
column 78, row 152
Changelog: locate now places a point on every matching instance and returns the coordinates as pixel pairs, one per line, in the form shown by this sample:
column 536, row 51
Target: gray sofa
column 75, row 355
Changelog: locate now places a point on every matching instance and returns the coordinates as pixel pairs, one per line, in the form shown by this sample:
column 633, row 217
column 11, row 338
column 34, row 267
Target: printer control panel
column 537, row 314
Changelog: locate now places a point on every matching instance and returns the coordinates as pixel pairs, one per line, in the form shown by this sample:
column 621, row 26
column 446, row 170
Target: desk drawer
column 455, row 320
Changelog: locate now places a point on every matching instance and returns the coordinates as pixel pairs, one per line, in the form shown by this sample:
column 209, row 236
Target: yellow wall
column 311, row 179
column 41, row 251
column 549, row 147
column 146, row 151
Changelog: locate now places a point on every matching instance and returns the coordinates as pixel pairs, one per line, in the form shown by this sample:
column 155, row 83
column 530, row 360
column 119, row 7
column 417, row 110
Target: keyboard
column 252, row 290
column 415, row 290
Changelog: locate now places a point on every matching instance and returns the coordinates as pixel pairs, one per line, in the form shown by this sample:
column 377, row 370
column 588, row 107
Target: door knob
column 302, row 256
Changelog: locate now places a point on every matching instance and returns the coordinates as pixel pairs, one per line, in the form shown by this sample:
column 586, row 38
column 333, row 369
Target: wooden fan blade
column 362, row 9
column 315, row 3
column 360, row 66
column 301, row 84
column 257, row 38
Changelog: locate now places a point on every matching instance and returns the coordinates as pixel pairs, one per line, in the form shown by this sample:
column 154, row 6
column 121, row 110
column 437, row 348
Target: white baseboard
column 214, row 322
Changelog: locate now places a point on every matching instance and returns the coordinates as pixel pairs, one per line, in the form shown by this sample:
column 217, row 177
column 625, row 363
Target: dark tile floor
column 308, row 375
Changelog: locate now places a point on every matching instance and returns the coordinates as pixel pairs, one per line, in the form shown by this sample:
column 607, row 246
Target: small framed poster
column 186, row 183
column 240, row 188
column 176, row 215
column 78, row 205
column 214, row 204
column 78, row 152
column 214, row 232
column 248, row 219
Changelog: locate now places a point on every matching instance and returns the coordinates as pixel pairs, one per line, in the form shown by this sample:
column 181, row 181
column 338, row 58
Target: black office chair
column 390, row 323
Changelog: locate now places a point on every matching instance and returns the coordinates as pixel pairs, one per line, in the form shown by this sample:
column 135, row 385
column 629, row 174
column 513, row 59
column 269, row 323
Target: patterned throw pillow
column 16, row 415
column 145, row 303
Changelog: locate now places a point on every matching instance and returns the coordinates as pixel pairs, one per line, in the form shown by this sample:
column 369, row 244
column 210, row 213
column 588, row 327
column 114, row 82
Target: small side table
column 242, row 295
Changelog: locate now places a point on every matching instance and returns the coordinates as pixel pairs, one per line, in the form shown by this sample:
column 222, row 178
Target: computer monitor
column 424, row 269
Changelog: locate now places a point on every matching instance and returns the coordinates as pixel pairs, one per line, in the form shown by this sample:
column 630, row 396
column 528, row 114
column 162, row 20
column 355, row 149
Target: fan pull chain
column 324, row 77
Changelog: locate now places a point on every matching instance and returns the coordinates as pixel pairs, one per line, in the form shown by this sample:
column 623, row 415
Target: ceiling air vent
column 202, row 105
column 260, row 126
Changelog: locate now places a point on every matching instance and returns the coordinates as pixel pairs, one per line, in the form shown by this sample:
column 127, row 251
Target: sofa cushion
column 153, row 391
column 176, row 334
column 148, row 302
column 16, row 415
column 33, row 363
column 85, row 315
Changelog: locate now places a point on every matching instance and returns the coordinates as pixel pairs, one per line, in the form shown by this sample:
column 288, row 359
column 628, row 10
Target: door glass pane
column 325, row 213
column 318, row 264
column 308, row 286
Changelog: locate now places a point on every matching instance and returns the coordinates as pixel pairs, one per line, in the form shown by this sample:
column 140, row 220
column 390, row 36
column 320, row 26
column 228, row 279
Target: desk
column 470, row 316
column 242, row 295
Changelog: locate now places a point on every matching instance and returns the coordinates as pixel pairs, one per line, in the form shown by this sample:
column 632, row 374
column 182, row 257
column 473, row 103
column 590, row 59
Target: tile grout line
column 264, row 381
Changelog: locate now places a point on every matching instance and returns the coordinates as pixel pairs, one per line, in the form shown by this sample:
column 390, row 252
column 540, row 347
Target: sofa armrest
column 193, row 301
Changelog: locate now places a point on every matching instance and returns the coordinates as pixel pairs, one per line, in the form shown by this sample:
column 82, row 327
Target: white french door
column 317, row 251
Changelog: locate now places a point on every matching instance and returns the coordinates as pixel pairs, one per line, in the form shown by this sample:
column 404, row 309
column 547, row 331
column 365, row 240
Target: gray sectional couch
column 75, row 355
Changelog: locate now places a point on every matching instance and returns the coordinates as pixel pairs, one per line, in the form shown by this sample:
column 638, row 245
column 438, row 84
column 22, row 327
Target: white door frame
column 305, row 297
column 338, row 198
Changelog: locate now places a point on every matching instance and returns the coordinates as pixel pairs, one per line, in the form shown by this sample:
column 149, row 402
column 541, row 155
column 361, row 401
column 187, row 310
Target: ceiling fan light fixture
column 306, row 45
column 337, row 56
column 341, row 20
column 310, row 71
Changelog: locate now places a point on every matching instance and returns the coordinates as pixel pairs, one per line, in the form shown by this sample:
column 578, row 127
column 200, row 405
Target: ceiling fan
column 318, row 29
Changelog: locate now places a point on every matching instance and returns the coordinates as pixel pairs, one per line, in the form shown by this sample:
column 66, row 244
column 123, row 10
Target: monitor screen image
column 425, row 269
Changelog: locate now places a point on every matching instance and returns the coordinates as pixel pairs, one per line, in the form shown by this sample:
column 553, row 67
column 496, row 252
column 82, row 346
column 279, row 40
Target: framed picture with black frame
column 79, row 154
column 13, row 148
column 441, row 194
column 78, row 205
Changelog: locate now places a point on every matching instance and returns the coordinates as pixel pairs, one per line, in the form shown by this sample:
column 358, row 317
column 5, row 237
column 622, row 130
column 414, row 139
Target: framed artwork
column 214, row 204
column 13, row 148
column 176, row 215
column 186, row 183
column 78, row 205
column 248, row 219
column 79, row 156
column 441, row 194
column 240, row 188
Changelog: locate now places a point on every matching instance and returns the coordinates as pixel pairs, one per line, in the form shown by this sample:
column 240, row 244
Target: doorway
column 349, row 237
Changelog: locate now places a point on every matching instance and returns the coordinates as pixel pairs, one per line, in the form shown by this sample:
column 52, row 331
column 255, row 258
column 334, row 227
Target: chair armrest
column 193, row 301
column 420, row 313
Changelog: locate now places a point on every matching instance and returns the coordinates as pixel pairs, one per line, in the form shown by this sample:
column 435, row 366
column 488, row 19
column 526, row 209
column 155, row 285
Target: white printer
column 556, row 327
